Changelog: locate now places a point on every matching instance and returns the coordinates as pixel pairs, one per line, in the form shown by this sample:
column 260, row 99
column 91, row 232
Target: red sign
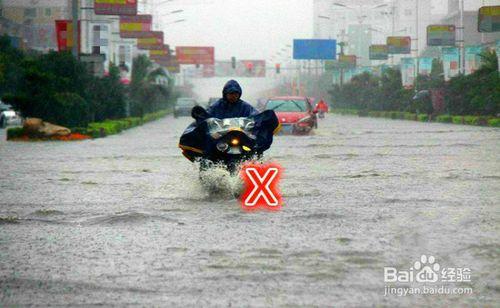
column 152, row 40
column 64, row 32
column 261, row 187
column 195, row 55
column 135, row 26
column 115, row 7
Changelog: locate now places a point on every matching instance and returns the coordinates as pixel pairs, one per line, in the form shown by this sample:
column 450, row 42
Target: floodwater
column 124, row 220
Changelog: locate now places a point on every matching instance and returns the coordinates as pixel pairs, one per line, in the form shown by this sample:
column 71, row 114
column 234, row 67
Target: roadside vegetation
column 57, row 88
column 473, row 99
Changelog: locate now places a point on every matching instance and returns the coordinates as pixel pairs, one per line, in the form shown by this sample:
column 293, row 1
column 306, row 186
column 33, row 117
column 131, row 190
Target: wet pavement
column 124, row 220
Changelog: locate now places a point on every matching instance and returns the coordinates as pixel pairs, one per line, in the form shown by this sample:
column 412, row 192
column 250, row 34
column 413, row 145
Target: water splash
column 219, row 182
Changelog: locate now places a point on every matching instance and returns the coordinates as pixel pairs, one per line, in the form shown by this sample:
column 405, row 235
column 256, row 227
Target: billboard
column 489, row 19
column 347, row 61
column 151, row 40
column 441, row 35
column 162, row 53
column 115, row 7
column 172, row 65
column 64, row 32
column 399, row 44
column 135, row 26
column 379, row 52
column 314, row 49
column 195, row 55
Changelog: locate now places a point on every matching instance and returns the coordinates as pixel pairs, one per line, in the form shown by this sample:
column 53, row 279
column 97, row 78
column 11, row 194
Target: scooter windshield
column 220, row 127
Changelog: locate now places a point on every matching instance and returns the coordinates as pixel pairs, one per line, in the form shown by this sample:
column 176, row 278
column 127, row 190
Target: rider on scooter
column 231, row 105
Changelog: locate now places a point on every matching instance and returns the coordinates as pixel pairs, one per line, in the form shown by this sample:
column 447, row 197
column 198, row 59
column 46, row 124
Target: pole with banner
column 498, row 54
column 408, row 72
column 74, row 13
column 425, row 67
column 451, row 59
column 472, row 58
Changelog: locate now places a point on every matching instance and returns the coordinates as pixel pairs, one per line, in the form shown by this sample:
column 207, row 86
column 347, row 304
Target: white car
column 10, row 117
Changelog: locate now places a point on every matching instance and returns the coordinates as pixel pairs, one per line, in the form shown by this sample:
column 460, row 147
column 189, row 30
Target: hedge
column 444, row 118
column 423, row 117
column 494, row 122
column 112, row 127
column 102, row 129
column 14, row 132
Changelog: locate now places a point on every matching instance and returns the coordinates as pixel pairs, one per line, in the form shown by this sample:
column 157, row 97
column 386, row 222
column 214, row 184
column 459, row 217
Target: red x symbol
column 261, row 186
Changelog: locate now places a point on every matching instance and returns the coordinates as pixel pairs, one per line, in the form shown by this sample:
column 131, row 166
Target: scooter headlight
column 235, row 141
column 246, row 149
column 222, row 146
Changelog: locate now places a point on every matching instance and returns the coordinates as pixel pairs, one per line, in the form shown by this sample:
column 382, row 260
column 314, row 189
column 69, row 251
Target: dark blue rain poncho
column 222, row 109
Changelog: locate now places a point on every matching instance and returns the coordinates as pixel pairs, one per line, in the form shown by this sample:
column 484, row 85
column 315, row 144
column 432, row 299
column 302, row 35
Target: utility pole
column 76, row 41
column 462, row 38
column 417, row 66
column 341, row 44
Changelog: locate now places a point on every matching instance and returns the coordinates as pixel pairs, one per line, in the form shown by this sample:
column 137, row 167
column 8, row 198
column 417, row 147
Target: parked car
column 4, row 106
column 183, row 106
column 295, row 114
column 10, row 118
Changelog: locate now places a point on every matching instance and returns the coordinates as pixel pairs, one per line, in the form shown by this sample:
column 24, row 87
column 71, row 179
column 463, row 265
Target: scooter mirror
column 199, row 113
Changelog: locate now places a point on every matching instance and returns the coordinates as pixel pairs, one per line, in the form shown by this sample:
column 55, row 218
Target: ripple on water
column 125, row 218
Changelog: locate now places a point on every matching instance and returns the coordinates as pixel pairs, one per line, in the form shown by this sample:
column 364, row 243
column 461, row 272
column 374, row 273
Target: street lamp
column 175, row 21
column 172, row 13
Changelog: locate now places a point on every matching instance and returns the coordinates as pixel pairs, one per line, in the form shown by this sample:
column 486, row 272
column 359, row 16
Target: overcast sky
column 237, row 28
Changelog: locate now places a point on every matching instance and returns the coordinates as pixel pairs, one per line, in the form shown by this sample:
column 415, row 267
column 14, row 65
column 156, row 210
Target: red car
column 295, row 113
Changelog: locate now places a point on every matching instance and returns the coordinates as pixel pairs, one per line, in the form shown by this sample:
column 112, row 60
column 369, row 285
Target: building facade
column 33, row 21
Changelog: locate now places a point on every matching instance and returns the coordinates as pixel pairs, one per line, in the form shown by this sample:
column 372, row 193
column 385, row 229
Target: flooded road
column 124, row 220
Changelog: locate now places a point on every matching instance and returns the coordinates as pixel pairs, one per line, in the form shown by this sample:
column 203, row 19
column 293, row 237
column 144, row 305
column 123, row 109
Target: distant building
column 359, row 37
column 471, row 7
column 32, row 21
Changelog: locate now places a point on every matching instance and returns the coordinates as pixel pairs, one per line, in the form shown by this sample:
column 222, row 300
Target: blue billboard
column 314, row 49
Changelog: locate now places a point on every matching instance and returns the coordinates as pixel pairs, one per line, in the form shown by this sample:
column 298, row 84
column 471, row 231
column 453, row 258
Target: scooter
column 227, row 142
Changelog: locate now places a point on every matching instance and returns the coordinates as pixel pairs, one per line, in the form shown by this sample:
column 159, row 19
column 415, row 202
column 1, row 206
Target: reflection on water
column 126, row 219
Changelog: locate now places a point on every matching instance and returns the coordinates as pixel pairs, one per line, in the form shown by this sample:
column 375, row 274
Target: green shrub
column 457, row 119
column 494, row 122
column 410, row 116
column 14, row 132
column 111, row 127
column 423, row 117
column 471, row 120
column 80, row 130
column 444, row 118
column 393, row 115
